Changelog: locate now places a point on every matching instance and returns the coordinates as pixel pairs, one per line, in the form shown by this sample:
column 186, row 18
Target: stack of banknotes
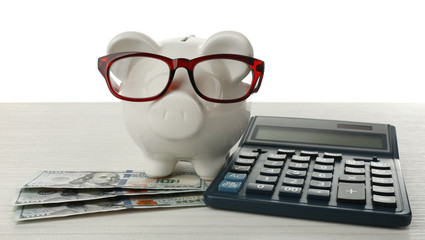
column 66, row 193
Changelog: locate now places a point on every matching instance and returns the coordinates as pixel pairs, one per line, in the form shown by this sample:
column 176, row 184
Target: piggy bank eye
column 141, row 77
column 231, row 78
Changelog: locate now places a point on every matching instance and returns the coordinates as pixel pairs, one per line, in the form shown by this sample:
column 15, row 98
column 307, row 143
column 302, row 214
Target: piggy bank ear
column 229, row 42
column 129, row 42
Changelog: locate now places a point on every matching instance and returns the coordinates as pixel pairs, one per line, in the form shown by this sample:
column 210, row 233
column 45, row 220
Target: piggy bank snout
column 176, row 116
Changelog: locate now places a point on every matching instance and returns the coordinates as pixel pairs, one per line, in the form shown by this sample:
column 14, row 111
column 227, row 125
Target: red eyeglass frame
column 256, row 65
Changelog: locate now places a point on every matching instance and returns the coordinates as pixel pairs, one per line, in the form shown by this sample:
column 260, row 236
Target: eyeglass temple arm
column 259, row 68
column 102, row 64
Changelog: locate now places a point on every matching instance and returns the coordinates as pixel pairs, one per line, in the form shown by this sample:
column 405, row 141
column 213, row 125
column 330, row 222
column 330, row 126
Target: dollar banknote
column 127, row 179
column 32, row 212
column 29, row 196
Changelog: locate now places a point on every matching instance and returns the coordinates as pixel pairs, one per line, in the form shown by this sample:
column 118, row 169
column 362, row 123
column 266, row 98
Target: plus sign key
column 351, row 193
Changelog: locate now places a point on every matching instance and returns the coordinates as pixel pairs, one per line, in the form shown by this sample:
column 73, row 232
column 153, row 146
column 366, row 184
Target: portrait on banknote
column 97, row 179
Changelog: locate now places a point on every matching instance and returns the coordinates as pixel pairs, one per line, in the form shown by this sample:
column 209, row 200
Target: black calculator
column 316, row 169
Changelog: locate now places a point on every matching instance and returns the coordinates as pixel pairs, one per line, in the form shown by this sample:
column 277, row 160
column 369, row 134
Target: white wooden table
column 92, row 136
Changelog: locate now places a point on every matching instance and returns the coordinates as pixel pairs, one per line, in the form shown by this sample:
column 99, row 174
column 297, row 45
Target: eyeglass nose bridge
column 186, row 64
column 181, row 63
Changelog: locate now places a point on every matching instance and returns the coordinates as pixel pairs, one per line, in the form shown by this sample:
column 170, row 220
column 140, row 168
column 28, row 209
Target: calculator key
column 309, row 153
column 351, row 170
column 253, row 155
column 352, row 178
column 259, row 151
column 381, row 173
column 244, row 161
column 276, row 157
column 293, row 181
column 296, row 173
column 380, row 165
column 298, row 166
column 321, row 176
column 327, row 161
column 382, row 181
column 290, row 191
column 319, row 194
column 323, row 168
column 385, row 201
column 336, row 156
column 273, row 164
column 320, row 184
column 352, row 193
column 270, row 171
column 383, row 190
column 297, row 158
column 286, row 151
column 266, row 179
column 235, row 177
column 354, row 163
column 229, row 186
column 259, row 188
column 240, row 169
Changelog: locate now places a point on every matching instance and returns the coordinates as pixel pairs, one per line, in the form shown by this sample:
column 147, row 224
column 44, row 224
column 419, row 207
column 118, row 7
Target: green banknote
column 29, row 196
column 41, row 211
column 105, row 179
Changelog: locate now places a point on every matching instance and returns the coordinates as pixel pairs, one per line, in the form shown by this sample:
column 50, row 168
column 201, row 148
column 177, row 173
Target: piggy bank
column 184, row 98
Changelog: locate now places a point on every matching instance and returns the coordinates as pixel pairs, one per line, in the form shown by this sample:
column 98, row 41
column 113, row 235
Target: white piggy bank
column 180, row 125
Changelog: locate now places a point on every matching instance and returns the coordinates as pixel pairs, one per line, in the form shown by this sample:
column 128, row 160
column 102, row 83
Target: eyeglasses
column 219, row 78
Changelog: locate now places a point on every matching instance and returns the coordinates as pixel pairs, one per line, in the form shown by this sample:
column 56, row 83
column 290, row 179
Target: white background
column 335, row 51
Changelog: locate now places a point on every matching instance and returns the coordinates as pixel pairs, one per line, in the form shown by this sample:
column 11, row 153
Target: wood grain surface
column 92, row 136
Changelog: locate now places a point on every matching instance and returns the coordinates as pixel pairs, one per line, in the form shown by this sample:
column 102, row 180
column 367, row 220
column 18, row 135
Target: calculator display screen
column 320, row 137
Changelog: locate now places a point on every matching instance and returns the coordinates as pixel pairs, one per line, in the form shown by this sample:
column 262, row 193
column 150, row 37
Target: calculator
column 329, row 170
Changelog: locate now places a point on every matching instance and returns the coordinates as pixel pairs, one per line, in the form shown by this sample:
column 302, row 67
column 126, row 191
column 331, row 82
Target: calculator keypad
column 311, row 176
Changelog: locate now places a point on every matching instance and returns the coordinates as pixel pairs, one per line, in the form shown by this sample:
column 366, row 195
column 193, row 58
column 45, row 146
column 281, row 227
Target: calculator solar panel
column 316, row 169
